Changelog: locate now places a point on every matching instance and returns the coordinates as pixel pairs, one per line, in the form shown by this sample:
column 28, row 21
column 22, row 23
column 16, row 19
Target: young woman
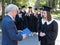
column 49, row 29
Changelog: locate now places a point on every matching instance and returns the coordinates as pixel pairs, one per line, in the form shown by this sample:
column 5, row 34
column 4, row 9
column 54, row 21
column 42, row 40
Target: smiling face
column 45, row 14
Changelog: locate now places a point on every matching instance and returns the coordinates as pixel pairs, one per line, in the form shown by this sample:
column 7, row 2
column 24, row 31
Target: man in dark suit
column 10, row 35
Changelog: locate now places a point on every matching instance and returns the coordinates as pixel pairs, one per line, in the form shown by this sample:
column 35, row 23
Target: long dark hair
column 49, row 16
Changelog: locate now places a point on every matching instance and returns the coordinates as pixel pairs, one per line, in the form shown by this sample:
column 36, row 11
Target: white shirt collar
column 11, row 17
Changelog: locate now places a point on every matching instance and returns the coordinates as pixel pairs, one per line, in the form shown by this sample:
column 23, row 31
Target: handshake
column 42, row 34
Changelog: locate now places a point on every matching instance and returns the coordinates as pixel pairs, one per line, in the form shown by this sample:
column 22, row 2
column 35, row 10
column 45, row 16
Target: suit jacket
column 10, row 36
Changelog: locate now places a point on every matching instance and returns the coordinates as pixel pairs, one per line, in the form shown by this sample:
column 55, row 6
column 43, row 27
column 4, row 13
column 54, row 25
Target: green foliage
column 7, row 1
column 34, row 1
column 17, row 2
column 21, row 2
column 56, row 14
column 43, row 2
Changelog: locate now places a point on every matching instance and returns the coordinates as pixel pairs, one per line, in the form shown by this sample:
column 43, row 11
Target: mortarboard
column 23, row 6
column 46, row 8
column 41, row 8
column 35, row 9
column 30, row 7
column 25, row 31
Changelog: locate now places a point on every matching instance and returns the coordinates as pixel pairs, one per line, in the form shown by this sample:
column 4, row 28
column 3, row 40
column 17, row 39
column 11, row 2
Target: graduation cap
column 25, row 31
column 23, row 6
column 35, row 9
column 46, row 8
column 30, row 7
column 19, row 8
column 41, row 8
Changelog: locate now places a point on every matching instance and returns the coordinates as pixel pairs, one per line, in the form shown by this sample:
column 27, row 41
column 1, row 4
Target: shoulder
column 54, row 22
column 6, row 19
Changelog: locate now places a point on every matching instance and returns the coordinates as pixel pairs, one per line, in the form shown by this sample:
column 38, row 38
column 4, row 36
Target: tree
column 20, row 2
column 37, row 3
column 3, row 8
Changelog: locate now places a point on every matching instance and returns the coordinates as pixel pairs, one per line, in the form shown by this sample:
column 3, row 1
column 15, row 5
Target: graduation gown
column 20, row 22
column 39, row 25
column 28, row 21
column 23, row 13
column 50, row 29
column 33, row 23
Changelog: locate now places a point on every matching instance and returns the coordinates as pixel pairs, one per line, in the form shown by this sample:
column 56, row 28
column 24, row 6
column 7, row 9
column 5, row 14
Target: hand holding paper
column 25, row 31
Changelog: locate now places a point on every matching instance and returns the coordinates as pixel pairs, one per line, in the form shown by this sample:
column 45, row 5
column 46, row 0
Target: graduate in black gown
column 39, row 23
column 35, row 19
column 23, row 11
column 49, row 29
column 29, row 20
column 20, row 21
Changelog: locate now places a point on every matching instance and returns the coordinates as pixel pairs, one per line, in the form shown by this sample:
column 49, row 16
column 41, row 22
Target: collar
column 48, row 22
column 11, row 17
column 22, row 10
column 43, row 21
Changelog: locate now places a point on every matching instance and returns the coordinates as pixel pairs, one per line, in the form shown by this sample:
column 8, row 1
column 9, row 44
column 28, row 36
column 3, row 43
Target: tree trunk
column 37, row 4
column 3, row 8
column 59, row 4
column 10, row 1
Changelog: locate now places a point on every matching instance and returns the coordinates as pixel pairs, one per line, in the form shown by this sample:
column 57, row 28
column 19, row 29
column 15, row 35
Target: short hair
column 11, row 7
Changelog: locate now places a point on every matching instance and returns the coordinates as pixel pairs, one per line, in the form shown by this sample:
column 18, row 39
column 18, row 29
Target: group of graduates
column 27, row 19
column 38, row 21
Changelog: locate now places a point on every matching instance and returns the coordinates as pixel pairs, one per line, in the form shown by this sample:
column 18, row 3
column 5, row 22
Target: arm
column 11, row 29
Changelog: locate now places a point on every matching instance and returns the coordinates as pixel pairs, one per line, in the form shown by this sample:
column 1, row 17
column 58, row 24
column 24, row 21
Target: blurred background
column 55, row 12
column 55, row 4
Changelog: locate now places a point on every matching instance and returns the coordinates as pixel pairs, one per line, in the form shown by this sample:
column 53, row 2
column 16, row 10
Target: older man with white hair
column 10, row 35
